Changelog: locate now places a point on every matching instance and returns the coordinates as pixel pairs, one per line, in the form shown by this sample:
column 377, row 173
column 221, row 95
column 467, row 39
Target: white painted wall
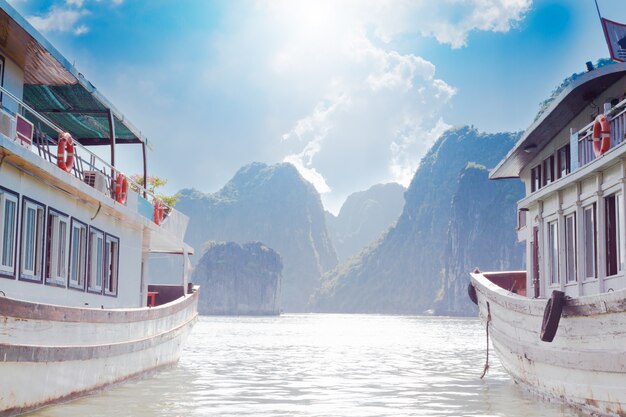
column 129, row 279
column 571, row 198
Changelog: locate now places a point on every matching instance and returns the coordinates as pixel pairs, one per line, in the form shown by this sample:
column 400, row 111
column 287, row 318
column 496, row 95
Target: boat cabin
column 572, row 161
column 75, row 230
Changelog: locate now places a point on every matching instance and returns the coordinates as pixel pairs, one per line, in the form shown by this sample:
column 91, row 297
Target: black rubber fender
column 471, row 292
column 552, row 316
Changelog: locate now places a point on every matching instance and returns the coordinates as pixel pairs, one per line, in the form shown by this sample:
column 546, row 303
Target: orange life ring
column 601, row 135
column 65, row 152
column 159, row 210
column 121, row 188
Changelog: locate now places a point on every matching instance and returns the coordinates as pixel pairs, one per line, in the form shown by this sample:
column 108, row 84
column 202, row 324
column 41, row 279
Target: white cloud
column 386, row 116
column 409, row 142
column 80, row 30
column 65, row 17
column 313, row 130
column 448, row 21
column 351, row 108
column 58, row 19
column 317, row 83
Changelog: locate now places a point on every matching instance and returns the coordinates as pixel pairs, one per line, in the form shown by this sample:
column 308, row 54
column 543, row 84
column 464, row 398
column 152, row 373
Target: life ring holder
column 552, row 316
column 65, row 152
column 159, row 211
column 601, row 135
column 121, row 188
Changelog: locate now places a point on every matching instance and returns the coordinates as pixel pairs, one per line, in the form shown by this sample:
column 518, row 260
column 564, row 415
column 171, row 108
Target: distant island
column 239, row 279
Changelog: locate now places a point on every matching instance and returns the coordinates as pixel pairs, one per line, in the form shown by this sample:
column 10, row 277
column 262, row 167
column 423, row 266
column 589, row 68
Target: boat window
column 111, row 271
column 553, row 255
column 548, row 170
column 589, row 228
column 563, row 161
column 57, row 248
column 535, row 178
column 521, row 219
column 78, row 254
column 570, row 248
column 8, row 230
column 32, row 240
column 96, row 260
column 614, row 223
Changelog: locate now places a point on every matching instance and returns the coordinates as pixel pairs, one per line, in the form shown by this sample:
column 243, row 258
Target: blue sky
column 352, row 92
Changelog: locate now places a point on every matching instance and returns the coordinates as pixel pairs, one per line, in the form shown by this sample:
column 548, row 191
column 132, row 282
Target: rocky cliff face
column 481, row 234
column 403, row 271
column 364, row 217
column 238, row 279
column 273, row 205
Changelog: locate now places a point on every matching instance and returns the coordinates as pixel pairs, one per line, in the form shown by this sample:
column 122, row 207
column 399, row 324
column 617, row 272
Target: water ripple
column 324, row 365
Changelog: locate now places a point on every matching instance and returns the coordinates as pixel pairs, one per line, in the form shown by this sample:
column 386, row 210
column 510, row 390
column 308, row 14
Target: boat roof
column 54, row 88
column 567, row 105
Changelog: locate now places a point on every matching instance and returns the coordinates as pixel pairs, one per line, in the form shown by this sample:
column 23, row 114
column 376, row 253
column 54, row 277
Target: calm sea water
column 323, row 365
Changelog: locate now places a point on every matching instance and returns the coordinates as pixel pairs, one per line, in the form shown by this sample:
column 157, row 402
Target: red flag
column 615, row 34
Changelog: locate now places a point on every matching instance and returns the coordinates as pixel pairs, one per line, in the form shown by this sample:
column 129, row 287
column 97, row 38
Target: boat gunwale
column 64, row 353
column 585, row 305
column 22, row 309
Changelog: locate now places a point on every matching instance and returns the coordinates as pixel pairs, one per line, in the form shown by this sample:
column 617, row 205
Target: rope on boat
column 97, row 212
column 487, row 327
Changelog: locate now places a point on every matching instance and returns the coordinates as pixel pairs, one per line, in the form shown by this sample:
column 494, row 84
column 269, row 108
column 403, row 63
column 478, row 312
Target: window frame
column 571, row 257
column 39, row 244
column 613, row 221
column 563, row 154
column 553, row 253
column 85, row 251
column 593, row 209
column 548, row 171
column 95, row 289
column 9, row 271
column 50, row 259
column 535, row 178
column 109, row 238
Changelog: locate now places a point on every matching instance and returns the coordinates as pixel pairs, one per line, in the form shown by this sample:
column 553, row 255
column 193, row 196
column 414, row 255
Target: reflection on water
column 323, row 365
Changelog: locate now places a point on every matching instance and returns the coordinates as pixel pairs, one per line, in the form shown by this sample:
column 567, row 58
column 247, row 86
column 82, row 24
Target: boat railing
column 617, row 122
column 87, row 166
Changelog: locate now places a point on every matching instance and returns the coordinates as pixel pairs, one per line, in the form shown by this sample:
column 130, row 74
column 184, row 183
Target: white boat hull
column 585, row 364
column 45, row 355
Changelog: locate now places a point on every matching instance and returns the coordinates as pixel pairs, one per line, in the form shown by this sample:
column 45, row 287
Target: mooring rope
column 487, row 327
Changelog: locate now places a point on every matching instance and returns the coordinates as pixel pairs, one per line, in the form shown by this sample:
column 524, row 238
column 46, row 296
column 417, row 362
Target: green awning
column 54, row 88
column 75, row 110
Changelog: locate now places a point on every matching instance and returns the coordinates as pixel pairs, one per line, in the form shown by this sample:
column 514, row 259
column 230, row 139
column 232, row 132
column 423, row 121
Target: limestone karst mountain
column 364, row 217
column 481, row 234
column 274, row 205
column 403, row 272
